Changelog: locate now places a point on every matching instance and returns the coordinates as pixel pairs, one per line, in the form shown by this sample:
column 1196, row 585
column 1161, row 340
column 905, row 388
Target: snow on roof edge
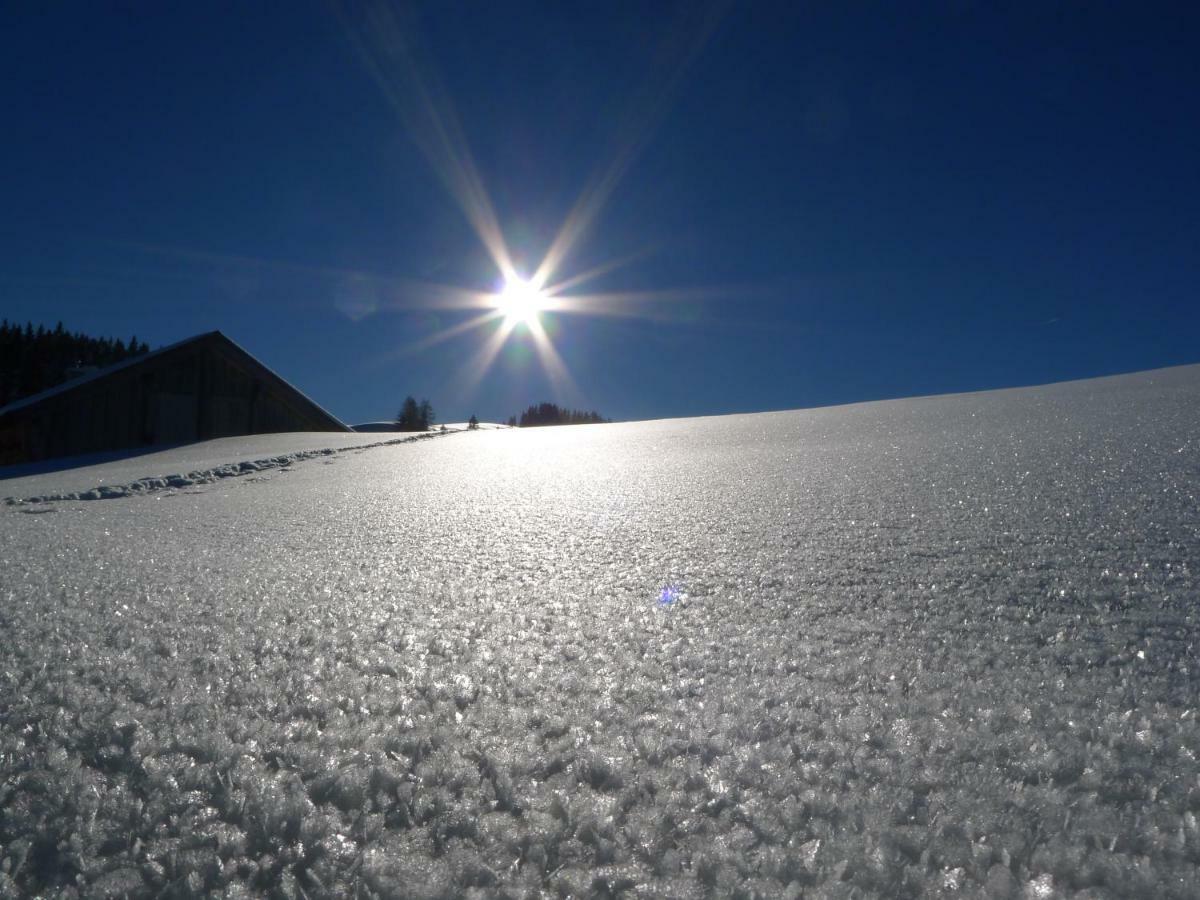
column 24, row 402
column 98, row 374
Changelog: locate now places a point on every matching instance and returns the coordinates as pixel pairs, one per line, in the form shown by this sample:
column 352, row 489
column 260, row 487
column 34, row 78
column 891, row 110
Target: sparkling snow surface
column 933, row 646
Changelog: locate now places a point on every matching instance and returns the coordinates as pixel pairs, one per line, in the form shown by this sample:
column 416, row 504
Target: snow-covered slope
column 943, row 646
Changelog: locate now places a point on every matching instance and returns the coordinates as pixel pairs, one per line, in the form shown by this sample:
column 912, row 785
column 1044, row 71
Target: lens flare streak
column 386, row 39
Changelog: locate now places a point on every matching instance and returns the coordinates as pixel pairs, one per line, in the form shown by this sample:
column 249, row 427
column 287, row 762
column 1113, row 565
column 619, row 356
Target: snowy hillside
column 934, row 646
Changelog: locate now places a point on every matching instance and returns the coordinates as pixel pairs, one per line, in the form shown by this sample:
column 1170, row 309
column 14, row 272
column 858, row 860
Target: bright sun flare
column 520, row 301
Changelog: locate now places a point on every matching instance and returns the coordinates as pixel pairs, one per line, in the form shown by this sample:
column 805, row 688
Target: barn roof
column 216, row 337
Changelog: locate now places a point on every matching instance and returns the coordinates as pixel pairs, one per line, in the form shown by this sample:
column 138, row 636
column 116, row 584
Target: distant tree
column 409, row 417
column 512, row 421
column 472, row 423
column 551, row 414
column 414, row 416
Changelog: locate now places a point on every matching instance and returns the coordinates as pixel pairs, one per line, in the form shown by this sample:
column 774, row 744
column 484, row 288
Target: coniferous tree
column 34, row 360
column 408, row 419
column 414, row 416
column 551, row 414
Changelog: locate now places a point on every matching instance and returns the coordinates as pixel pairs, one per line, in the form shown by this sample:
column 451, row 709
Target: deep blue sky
column 892, row 199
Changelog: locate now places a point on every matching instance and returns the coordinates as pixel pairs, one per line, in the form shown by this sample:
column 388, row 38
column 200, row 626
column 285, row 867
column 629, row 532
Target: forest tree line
column 552, row 414
column 417, row 415
column 33, row 360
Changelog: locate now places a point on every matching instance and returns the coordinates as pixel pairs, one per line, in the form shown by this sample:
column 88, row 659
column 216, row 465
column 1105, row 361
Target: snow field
column 934, row 647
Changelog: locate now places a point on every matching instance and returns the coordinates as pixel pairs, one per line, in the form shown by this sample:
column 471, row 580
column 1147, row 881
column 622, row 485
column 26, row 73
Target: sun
column 520, row 301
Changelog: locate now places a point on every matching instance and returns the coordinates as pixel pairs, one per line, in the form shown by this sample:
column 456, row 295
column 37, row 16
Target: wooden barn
column 201, row 388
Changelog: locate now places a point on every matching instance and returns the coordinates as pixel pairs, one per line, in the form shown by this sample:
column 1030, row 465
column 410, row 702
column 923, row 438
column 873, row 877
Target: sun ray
column 552, row 363
column 396, row 293
column 389, row 49
column 474, row 371
column 439, row 337
column 683, row 44
column 595, row 272
column 668, row 305
column 450, row 333
column 440, row 297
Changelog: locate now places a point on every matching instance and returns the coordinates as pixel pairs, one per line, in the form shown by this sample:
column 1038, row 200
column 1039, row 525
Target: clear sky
column 793, row 204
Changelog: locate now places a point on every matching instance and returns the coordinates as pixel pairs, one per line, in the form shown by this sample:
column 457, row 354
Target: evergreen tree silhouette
column 551, row 414
column 409, row 417
column 34, row 360
column 414, row 416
